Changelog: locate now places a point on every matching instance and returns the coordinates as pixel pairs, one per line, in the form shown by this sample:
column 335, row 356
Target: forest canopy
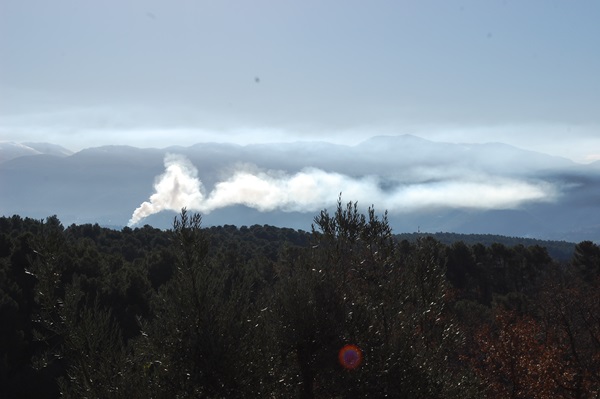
column 347, row 310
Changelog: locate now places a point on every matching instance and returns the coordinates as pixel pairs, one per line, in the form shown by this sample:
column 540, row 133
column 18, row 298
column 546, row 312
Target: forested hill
column 558, row 250
column 272, row 238
column 349, row 310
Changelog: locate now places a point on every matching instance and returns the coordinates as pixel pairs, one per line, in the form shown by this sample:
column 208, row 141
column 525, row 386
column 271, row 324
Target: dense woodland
column 253, row 312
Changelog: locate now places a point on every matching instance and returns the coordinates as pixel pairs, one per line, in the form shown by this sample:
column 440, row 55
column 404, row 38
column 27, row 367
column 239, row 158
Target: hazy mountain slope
column 105, row 184
column 50, row 149
column 93, row 185
column 11, row 150
column 410, row 151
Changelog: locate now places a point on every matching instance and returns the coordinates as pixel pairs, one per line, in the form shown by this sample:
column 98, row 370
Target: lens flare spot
column 350, row 357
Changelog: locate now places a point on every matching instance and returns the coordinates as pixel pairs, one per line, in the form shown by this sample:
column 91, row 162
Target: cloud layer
column 313, row 189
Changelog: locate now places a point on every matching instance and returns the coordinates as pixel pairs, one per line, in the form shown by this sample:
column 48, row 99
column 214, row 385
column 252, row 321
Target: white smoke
column 177, row 188
column 313, row 189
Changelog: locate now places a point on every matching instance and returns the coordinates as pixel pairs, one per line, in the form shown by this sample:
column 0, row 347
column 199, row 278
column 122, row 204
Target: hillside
column 558, row 250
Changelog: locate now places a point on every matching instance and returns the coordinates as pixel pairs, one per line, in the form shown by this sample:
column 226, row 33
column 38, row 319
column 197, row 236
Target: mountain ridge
column 11, row 150
column 105, row 183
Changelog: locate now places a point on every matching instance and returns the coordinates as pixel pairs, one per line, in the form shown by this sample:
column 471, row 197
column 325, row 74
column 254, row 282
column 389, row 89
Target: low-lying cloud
column 313, row 189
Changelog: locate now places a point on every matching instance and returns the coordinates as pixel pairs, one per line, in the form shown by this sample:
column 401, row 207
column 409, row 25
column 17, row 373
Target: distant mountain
column 106, row 184
column 409, row 150
column 50, row 149
column 11, row 150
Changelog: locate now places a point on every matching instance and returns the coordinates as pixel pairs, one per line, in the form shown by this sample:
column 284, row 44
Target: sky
column 150, row 73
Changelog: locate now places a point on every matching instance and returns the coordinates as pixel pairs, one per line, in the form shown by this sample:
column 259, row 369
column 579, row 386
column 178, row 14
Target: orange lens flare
column 350, row 357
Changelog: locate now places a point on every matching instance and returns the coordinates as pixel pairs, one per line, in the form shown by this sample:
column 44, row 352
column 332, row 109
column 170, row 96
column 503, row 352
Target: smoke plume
column 313, row 189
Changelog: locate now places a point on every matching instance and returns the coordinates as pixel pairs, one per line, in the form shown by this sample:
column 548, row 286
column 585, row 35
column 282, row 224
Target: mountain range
column 426, row 186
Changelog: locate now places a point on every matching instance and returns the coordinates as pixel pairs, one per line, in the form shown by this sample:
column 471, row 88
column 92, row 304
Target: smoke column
column 312, row 189
column 177, row 188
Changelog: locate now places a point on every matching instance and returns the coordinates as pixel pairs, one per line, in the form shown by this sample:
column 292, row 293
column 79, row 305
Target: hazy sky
column 155, row 73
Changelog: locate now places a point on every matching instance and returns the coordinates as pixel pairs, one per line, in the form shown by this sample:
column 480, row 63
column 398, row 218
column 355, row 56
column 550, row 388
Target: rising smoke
column 313, row 189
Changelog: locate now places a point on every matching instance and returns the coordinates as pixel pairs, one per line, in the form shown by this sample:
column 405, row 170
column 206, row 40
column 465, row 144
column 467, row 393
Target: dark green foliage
column 558, row 250
column 260, row 311
column 586, row 260
column 353, row 287
column 196, row 344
